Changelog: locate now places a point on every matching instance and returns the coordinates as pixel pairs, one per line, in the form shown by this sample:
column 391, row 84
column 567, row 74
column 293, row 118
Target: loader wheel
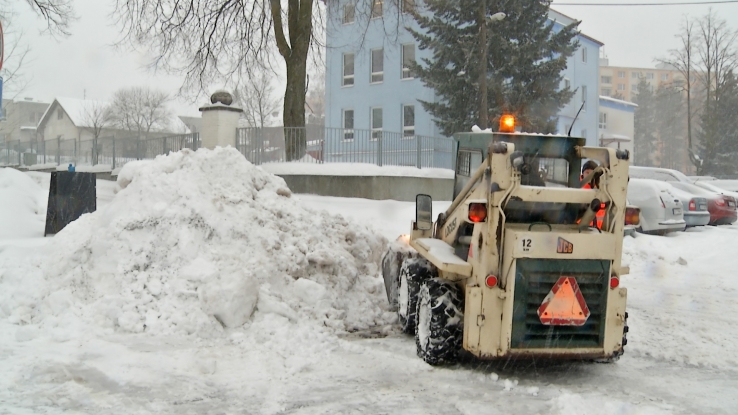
column 440, row 328
column 397, row 252
column 413, row 272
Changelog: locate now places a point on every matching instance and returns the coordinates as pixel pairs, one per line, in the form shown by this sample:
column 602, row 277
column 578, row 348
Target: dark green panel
column 534, row 279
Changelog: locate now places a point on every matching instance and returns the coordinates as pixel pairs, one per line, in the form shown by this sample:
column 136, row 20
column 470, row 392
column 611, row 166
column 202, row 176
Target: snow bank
column 22, row 205
column 197, row 241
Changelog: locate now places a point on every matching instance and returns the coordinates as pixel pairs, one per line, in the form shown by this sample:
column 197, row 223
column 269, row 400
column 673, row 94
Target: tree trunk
column 294, row 108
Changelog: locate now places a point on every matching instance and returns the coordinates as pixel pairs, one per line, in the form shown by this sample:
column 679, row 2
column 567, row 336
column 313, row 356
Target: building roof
column 618, row 101
column 75, row 108
column 557, row 15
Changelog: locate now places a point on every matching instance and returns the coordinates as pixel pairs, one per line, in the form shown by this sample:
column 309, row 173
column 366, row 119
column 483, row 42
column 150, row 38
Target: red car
column 722, row 208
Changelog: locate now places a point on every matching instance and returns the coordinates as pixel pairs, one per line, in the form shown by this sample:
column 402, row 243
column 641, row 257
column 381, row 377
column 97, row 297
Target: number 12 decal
column 527, row 244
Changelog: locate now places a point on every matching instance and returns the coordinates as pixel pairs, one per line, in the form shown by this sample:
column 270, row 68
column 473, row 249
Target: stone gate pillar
column 219, row 121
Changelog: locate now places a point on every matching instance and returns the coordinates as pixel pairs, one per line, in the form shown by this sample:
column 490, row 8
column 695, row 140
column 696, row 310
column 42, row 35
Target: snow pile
column 22, row 205
column 197, row 241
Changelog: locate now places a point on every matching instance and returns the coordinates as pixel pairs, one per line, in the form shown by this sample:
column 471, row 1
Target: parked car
column 695, row 207
column 632, row 219
column 731, row 185
column 722, row 208
column 661, row 211
column 657, row 173
column 708, row 185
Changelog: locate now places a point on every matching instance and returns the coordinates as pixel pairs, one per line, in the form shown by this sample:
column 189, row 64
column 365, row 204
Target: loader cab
column 551, row 161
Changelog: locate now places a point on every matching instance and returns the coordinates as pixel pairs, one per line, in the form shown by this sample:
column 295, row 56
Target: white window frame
column 584, row 55
column 584, row 97
column 349, row 13
column 59, row 114
column 348, row 132
column 602, row 125
column 621, row 74
column 584, row 133
column 406, row 72
column 607, row 91
column 606, row 79
column 621, row 87
column 348, row 79
column 376, row 131
column 567, row 83
column 376, row 77
column 635, row 75
column 408, row 131
column 664, row 76
column 377, row 6
column 649, row 75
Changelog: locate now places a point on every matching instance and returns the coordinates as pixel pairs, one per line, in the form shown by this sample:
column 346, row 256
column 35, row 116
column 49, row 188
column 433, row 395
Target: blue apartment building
column 372, row 108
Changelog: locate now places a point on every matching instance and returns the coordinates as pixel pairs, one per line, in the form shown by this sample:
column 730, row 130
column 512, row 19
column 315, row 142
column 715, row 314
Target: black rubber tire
column 440, row 327
column 397, row 252
column 412, row 274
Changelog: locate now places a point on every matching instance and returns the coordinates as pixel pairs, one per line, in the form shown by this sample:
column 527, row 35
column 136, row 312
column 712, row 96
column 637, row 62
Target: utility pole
column 482, row 17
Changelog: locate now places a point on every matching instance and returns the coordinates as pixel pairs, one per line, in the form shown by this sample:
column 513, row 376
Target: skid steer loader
column 520, row 264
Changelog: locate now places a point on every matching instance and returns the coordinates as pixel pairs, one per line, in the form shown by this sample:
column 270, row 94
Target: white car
column 657, row 173
column 712, row 186
column 661, row 211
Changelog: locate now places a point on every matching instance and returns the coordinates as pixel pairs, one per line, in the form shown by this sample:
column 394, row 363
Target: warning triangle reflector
column 564, row 305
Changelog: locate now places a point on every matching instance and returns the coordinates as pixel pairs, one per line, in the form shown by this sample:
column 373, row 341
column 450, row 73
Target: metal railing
column 110, row 152
column 337, row 145
column 311, row 144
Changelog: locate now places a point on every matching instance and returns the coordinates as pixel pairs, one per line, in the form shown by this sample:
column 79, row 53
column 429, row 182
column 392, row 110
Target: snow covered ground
column 203, row 286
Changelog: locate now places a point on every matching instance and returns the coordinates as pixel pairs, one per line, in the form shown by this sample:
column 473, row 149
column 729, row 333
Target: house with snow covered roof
column 71, row 118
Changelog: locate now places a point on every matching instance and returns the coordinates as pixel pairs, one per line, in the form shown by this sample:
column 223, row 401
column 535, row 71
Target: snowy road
column 680, row 359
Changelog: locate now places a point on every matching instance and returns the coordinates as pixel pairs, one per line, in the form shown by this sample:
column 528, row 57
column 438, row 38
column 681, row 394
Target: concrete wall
column 371, row 187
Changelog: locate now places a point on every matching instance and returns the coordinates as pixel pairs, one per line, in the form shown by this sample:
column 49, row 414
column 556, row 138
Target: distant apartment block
column 622, row 82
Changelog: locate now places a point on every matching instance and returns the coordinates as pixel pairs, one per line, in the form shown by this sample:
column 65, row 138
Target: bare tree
column 96, row 116
column 315, row 101
column 16, row 53
column 57, row 13
column 216, row 40
column 140, row 110
column 683, row 59
column 258, row 100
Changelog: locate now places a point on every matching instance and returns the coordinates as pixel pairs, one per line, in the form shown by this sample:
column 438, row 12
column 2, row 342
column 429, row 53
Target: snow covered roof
column 74, row 108
column 618, row 101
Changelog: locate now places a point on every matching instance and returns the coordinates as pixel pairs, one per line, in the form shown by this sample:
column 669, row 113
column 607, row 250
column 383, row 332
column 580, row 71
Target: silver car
column 693, row 206
column 661, row 211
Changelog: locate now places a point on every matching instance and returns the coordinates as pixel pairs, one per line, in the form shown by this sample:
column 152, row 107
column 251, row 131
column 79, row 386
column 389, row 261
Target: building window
column 634, row 87
column 584, row 134
column 649, row 75
column 377, row 65
column 348, row 69
column 348, row 125
column 567, row 83
column 376, row 123
column 603, row 121
column 606, row 92
column 377, row 9
column 584, row 97
column 621, row 74
column 635, row 75
column 584, row 55
column 408, row 120
column 59, row 114
column 349, row 11
column 664, row 76
column 408, row 57
column 408, row 6
column 621, row 87
column 606, row 79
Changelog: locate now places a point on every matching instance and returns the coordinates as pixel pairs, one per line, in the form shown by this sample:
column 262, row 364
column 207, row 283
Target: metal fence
column 311, row 144
column 338, row 145
column 109, row 152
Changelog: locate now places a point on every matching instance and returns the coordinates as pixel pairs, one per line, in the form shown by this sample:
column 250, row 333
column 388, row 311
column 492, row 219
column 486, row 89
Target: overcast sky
column 85, row 65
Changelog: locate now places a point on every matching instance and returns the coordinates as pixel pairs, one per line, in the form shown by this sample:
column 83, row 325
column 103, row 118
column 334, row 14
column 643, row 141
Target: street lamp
column 483, row 50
